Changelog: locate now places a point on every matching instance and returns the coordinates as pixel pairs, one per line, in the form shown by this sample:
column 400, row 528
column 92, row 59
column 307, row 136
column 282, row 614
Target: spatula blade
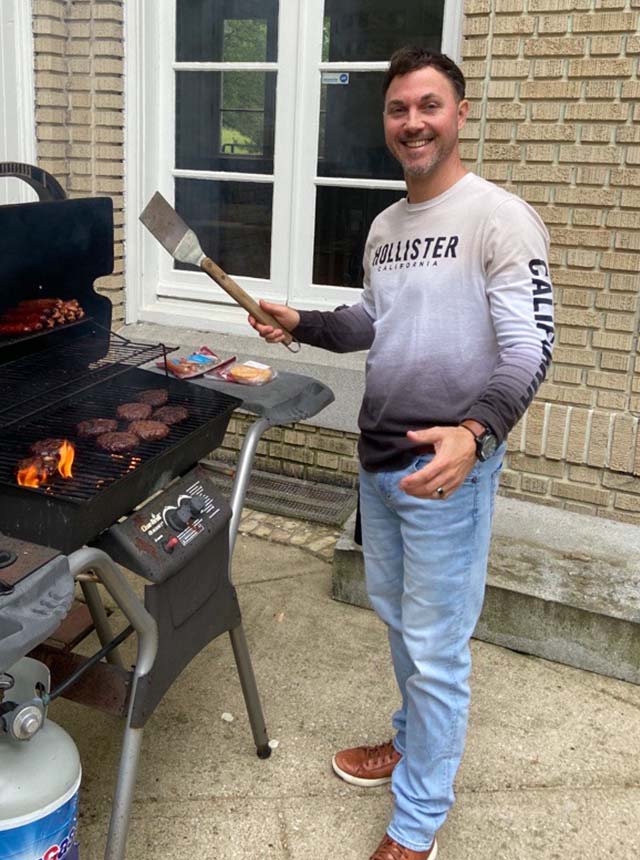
column 164, row 223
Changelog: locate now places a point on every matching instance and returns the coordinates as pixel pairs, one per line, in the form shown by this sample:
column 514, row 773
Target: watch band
column 470, row 431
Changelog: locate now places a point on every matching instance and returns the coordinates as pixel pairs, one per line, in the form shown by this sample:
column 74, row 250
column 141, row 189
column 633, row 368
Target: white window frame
column 17, row 112
column 155, row 291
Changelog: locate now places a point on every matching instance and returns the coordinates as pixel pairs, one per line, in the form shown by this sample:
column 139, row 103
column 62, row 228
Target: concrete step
column 562, row 586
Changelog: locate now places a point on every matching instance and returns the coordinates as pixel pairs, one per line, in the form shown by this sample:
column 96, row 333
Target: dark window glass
column 359, row 30
column 232, row 220
column 225, row 121
column 343, row 218
column 351, row 141
column 213, row 31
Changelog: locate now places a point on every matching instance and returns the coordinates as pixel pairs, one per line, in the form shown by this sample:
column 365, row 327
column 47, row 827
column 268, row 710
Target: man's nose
column 413, row 119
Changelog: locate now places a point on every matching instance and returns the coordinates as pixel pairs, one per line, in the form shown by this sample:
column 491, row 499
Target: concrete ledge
column 561, row 586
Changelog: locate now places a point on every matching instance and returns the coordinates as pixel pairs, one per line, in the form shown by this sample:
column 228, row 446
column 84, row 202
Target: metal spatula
column 163, row 222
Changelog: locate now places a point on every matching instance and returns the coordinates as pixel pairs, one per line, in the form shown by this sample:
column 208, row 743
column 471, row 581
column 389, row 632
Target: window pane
column 213, row 31
column 232, row 220
column 343, row 218
column 225, row 121
column 351, row 134
column 358, row 30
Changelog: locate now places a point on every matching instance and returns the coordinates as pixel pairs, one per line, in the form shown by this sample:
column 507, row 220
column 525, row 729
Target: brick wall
column 79, row 81
column 554, row 89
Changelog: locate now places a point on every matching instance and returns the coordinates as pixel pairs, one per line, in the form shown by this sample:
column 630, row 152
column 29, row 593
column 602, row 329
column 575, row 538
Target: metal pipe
column 147, row 630
column 243, row 474
column 99, row 617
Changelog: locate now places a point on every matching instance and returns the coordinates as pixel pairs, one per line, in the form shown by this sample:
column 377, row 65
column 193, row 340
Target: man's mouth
column 417, row 144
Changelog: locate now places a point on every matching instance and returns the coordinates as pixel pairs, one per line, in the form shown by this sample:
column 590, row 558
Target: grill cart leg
column 100, row 620
column 238, row 639
column 250, row 691
column 146, row 628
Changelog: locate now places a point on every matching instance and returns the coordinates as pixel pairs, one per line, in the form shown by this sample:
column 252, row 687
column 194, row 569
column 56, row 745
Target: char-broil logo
column 416, row 253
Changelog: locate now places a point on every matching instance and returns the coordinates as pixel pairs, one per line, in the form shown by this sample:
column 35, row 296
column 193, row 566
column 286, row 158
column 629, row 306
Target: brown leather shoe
column 389, row 849
column 366, row 766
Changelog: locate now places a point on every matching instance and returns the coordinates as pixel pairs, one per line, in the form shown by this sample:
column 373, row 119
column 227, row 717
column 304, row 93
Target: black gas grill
column 53, row 379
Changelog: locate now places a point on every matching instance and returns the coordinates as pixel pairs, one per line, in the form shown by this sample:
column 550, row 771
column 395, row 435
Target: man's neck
column 423, row 188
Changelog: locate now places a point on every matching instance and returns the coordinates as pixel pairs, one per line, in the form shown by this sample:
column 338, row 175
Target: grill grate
column 290, row 497
column 37, row 383
column 95, row 470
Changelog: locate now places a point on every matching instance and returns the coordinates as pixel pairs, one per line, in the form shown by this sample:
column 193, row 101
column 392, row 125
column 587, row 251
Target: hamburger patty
column 38, row 463
column 149, row 431
column 134, row 411
column 171, row 414
column 96, row 427
column 47, row 447
column 154, row 396
column 117, row 443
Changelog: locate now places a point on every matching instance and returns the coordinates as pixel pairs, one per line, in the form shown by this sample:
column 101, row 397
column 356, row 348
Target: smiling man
column 457, row 315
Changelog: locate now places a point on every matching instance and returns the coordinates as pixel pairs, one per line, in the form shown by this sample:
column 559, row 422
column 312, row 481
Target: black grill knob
column 7, row 557
column 179, row 517
column 196, row 504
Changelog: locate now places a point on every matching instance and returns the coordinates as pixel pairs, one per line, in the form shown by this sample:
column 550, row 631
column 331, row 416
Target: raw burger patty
column 96, row 427
column 46, row 447
column 154, row 396
column 171, row 414
column 134, row 411
column 117, row 443
column 149, row 431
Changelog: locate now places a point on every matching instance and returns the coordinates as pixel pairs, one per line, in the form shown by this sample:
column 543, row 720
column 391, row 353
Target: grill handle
column 44, row 184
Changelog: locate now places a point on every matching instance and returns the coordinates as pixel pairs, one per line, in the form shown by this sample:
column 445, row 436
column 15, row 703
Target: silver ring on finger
column 440, row 492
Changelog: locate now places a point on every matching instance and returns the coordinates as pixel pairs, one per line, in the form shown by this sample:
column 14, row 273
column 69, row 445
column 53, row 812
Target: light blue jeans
column 425, row 563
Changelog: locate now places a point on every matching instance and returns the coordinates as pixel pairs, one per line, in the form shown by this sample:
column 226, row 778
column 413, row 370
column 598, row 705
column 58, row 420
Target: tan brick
column 49, row 27
column 505, row 47
column 577, row 435
column 582, row 259
column 628, row 241
column 578, row 493
column 617, row 302
column 577, row 298
column 613, row 401
column 596, row 134
column 475, row 48
column 584, row 474
column 605, row 22
column 587, row 217
column 600, row 68
column 534, row 433
column 552, row 24
column 112, row 11
column 558, row 6
column 521, row 24
column 586, row 319
column 619, row 342
column 626, row 283
column 593, row 280
column 592, row 112
column 566, row 375
column 509, row 480
column 618, row 261
column 626, row 502
column 549, row 90
column 620, row 322
column 552, row 214
column 632, row 45
column 598, row 442
column 498, row 131
column 630, row 90
column 627, row 134
column 478, row 26
column 540, row 152
column 604, row 45
column 614, row 361
column 590, row 154
column 622, row 219
column 622, row 445
column 536, row 465
column 600, row 89
column 556, row 431
column 495, row 172
column 628, row 483
column 613, row 381
column 531, row 484
column 545, row 131
column 580, row 357
column 584, row 238
column 549, row 47
column 49, row 44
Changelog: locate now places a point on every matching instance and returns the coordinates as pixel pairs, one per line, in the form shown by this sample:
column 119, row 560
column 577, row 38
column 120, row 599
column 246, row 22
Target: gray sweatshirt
column 456, row 312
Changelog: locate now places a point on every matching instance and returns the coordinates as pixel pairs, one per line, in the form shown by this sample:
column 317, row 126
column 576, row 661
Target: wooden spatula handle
column 241, row 297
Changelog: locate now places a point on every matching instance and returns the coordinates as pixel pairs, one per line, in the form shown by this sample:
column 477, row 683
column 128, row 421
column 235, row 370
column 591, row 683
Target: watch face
column 488, row 445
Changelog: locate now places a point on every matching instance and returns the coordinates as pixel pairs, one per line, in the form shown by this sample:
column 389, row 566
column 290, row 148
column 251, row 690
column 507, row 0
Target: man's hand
column 286, row 316
column 455, row 457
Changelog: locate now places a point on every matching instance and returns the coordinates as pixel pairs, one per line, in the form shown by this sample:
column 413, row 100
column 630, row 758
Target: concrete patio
column 551, row 768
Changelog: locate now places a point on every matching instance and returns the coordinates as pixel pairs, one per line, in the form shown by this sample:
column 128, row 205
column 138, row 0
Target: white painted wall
column 17, row 114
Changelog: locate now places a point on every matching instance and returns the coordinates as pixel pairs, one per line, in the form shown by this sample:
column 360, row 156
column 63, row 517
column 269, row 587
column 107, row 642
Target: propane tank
column 39, row 774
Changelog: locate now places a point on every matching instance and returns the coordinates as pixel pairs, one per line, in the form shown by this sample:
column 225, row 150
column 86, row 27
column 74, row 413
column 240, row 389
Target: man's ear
column 463, row 113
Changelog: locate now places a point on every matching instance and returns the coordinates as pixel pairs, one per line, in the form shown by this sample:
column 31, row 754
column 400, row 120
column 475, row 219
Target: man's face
column 422, row 119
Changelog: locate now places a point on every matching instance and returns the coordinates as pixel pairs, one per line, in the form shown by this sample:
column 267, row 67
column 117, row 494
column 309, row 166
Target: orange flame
column 67, row 454
column 32, row 476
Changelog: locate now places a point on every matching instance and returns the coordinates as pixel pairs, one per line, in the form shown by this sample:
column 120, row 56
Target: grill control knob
column 178, row 518
column 196, row 504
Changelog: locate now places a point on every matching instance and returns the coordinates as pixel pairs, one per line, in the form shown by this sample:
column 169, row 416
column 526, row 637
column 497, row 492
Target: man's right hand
column 286, row 316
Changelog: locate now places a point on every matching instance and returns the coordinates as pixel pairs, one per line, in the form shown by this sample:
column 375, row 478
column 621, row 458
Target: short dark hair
column 413, row 57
